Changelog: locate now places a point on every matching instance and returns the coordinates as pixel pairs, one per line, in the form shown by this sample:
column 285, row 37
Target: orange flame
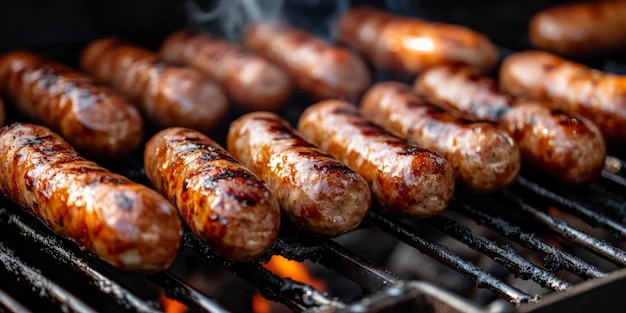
column 171, row 306
column 285, row 269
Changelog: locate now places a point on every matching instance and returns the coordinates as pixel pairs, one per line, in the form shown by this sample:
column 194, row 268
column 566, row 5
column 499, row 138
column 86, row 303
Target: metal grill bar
column 558, row 258
column 439, row 252
column 11, row 305
column 179, row 290
column 503, row 255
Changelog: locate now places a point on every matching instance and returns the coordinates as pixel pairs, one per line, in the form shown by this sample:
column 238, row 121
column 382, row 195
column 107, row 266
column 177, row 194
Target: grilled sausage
column 97, row 121
column 225, row 204
column 251, row 82
column 319, row 68
column 484, row 157
column 405, row 45
column 593, row 28
column 167, row 95
column 127, row 224
column 570, row 87
column 316, row 191
column 566, row 146
column 405, row 179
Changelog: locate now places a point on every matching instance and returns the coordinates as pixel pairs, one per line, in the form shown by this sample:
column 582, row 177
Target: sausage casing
column 484, row 157
column 125, row 223
column 316, row 191
column 405, row 179
column 566, row 146
column 168, row 95
column 225, row 204
column 570, row 87
column 405, row 45
column 251, row 82
column 320, row 69
column 97, row 121
column 593, row 28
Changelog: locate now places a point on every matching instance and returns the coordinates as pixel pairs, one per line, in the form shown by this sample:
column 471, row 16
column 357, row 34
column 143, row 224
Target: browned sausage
column 405, row 45
column 224, row 203
column 316, row 191
column 319, row 68
column 593, row 28
column 405, row 179
column 97, row 121
column 566, row 146
column 168, row 95
column 251, row 82
column 571, row 87
column 484, row 157
column 127, row 224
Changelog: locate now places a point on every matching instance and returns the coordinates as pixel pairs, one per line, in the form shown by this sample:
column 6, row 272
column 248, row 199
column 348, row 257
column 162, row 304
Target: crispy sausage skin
column 484, row 157
column 223, row 203
column 168, row 95
column 127, row 224
column 96, row 120
column 592, row 28
column 251, row 82
column 405, row 179
column 566, row 146
column 405, row 45
column 570, row 87
column 317, row 192
column 320, row 69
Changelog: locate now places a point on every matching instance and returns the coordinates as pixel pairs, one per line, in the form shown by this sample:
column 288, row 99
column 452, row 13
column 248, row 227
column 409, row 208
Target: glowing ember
column 171, row 306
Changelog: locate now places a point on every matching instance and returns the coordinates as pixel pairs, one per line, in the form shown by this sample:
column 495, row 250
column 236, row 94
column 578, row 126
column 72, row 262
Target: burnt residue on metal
column 59, row 249
column 555, row 259
column 175, row 288
column 505, row 255
column 561, row 228
column 439, row 252
column 573, row 205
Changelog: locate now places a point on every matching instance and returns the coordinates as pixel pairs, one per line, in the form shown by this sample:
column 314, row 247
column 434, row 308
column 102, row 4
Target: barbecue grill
column 536, row 246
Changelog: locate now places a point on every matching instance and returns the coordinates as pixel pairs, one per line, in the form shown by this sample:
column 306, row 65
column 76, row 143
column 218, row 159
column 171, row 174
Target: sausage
column 96, row 120
column 405, row 179
column 251, row 82
column 167, row 95
column 318, row 68
column 223, row 203
column 594, row 28
column 570, row 87
column 406, row 46
column 125, row 223
column 485, row 158
column 317, row 192
column 566, row 146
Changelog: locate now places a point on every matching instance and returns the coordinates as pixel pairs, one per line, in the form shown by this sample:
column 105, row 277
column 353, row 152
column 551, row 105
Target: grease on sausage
column 485, row 158
column 224, row 203
column 405, row 179
column 96, row 120
column 317, row 192
column 168, row 95
column 127, row 224
column 319, row 68
column 406, row 45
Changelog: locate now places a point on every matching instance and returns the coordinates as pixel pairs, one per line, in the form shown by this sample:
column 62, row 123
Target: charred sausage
column 484, row 157
column 566, row 146
column 168, row 95
column 317, row 192
column 405, row 45
column 96, row 120
column 251, row 82
column 225, row 204
column 127, row 224
column 405, row 179
column 593, row 28
column 570, row 87
column 320, row 69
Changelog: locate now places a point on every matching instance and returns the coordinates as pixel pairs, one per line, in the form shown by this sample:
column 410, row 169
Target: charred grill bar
column 561, row 248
